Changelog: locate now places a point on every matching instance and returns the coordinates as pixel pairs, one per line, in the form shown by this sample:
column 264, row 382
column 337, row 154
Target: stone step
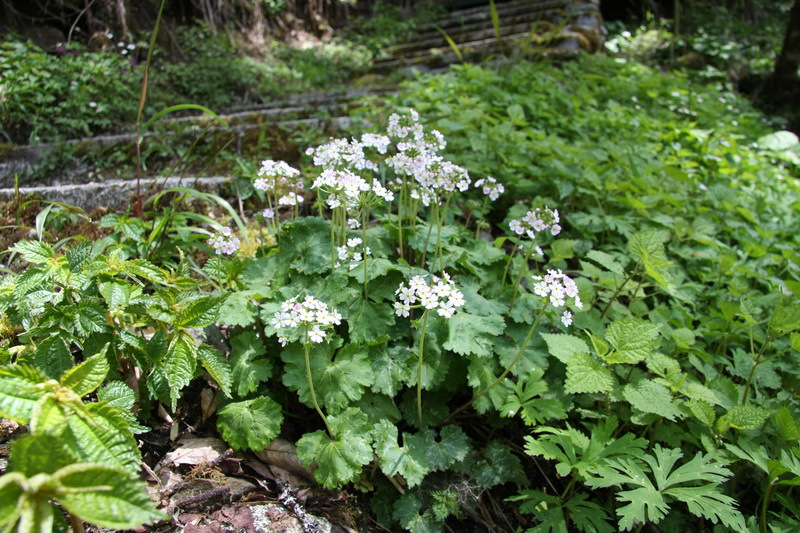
column 482, row 14
column 116, row 194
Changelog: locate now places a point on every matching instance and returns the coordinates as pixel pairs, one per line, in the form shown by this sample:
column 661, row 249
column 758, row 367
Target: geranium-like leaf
column 251, row 424
column 248, row 367
column 106, row 497
column 391, row 368
column 367, row 321
column 337, row 381
column 408, row 460
column 472, row 334
column 339, row 461
column 307, row 241
column 451, row 446
column 498, row 465
column 407, row 510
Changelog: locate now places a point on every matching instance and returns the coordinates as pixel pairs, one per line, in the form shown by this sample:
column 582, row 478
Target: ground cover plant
column 566, row 292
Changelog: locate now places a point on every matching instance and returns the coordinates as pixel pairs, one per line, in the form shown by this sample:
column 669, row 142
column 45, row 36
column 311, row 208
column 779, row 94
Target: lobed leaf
column 250, row 424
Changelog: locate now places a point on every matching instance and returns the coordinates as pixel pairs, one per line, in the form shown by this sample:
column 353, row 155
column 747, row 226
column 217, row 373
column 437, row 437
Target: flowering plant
column 309, row 318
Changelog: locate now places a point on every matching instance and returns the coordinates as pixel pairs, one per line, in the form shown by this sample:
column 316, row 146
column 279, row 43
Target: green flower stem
column 401, row 199
column 333, row 245
column 435, row 216
column 364, row 219
column 762, row 526
column 522, row 270
column 752, row 374
column 440, row 222
column 419, row 367
column 508, row 263
column 505, row 372
column 479, row 222
column 311, row 387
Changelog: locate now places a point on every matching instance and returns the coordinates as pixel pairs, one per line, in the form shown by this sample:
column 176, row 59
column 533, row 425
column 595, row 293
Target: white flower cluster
column 535, row 222
column 224, row 242
column 351, row 252
column 279, row 175
column 557, row 287
column 345, row 188
column 341, row 153
column 490, row 187
column 416, row 157
column 311, row 316
column 441, row 295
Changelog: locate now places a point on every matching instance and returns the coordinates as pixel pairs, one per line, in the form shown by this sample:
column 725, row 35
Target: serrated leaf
column 481, row 374
column 586, row 373
column 367, row 321
column 53, row 356
column 199, row 313
column 91, row 318
column 143, row 269
column 788, row 426
column 563, row 346
column 408, row 460
column 179, row 366
column 633, row 340
column 217, row 367
column 105, row 496
column 250, row 424
column 99, row 434
column 10, row 495
column 562, row 249
column 37, row 454
column 337, row 381
column 702, row 410
column 471, row 334
column 785, row 319
column 19, row 392
column 121, row 397
column 79, row 254
column 117, row 294
column 237, row 309
column 34, row 252
column 339, row 461
column 87, row 376
column 649, row 396
column 248, row 369
column 406, row 510
column 606, row 261
column 743, row 417
column 708, row 502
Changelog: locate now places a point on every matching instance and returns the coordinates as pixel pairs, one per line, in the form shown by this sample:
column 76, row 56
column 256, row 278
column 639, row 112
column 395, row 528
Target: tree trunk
column 789, row 60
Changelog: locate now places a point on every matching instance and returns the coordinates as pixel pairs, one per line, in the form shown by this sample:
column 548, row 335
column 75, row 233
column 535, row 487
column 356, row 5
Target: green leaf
column 743, row 417
column 143, row 269
column 472, row 334
column 337, row 381
column 105, row 496
column 37, row 454
column 391, row 368
column 562, row 249
column 649, row 396
column 91, row 318
column 606, row 261
column 406, row 510
column 34, row 252
column 53, row 356
column 307, row 241
column 586, row 373
column 633, row 340
column 452, row 447
column 563, row 346
column 179, row 366
column 121, row 397
column 409, row 460
column 99, row 434
column 367, row 321
column 19, row 391
column 248, row 370
column 339, row 461
column 702, row 410
column 87, row 376
column 117, row 294
column 648, row 247
column 785, row 319
column 200, row 312
column 788, row 426
column 10, row 496
column 251, row 424
column 238, row 310
column 497, row 466
column 217, row 367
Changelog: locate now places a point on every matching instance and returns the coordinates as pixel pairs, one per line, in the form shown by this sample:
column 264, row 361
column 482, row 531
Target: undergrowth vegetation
column 562, row 291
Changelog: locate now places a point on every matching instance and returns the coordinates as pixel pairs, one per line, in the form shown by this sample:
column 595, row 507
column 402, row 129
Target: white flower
column 311, row 316
column 268, row 213
column 224, row 242
column 402, row 309
column 446, row 309
column 566, row 319
column 441, row 295
column 535, row 222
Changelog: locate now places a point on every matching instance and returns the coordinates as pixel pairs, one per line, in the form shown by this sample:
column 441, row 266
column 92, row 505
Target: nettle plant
column 408, row 353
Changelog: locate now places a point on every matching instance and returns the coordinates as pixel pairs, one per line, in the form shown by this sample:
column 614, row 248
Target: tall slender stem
column 522, row 270
column 505, row 372
column 419, row 367
column 508, row 264
column 311, row 388
column 400, row 218
column 364, row 218
column 434, row 216
column 333, row 245
column 440, row 222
